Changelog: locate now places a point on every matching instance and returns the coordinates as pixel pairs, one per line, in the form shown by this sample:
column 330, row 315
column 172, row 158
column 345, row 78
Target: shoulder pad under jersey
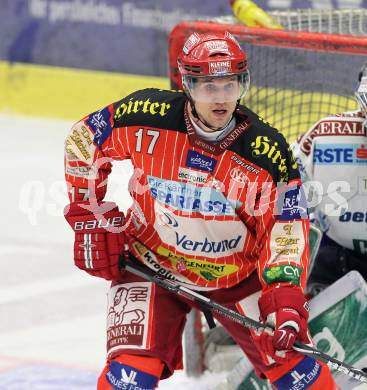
column 151, row 107
column 266, row 147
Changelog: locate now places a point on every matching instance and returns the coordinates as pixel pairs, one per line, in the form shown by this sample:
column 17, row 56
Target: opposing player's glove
column 285, row 309
column 99, row 237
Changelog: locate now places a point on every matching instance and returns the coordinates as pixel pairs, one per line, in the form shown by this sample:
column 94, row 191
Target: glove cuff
column 87, row 207
column 283, row 297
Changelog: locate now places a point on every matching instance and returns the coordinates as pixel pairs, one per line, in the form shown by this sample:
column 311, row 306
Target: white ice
column 52, row 316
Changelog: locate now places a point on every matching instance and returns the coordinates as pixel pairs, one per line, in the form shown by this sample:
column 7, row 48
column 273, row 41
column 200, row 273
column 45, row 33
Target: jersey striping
column 203, row 214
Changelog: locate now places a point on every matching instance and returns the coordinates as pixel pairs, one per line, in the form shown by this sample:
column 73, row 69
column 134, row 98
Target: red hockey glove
column 286, row 310
column 99, row 237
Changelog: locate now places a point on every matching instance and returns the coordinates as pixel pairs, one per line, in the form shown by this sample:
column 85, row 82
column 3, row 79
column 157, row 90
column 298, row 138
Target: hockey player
column 216, row 206
column 333, row 156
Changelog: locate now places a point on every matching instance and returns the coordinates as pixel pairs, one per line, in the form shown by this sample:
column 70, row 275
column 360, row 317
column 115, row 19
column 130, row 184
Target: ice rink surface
column 52, row 316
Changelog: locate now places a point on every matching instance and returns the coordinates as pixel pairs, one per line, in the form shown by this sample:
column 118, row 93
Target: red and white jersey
column 333, row 157
column 204, row 214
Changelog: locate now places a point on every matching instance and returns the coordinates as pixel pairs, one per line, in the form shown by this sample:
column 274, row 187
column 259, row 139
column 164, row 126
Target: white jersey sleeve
column 332, row 157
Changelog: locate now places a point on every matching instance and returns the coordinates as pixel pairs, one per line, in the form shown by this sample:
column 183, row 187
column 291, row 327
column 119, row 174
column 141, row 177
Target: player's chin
column 219, row 121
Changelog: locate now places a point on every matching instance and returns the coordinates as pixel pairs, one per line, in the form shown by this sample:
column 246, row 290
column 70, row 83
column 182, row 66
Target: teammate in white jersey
column 332, row 156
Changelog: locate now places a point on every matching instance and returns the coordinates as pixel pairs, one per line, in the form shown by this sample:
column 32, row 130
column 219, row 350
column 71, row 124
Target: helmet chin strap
column 196, row 115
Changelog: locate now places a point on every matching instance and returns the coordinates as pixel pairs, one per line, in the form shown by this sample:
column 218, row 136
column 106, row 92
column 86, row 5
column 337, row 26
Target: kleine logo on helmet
column 219, row 67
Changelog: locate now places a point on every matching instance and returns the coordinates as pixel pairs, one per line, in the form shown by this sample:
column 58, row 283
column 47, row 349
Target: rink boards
column 64, row 93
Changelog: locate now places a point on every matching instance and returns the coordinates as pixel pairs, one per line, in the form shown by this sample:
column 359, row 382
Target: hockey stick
column 147, row 274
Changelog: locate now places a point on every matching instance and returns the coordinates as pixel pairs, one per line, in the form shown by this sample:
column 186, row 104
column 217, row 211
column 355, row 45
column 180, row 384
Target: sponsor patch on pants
column 128, row 320
column 123, row 377
column 302, row 376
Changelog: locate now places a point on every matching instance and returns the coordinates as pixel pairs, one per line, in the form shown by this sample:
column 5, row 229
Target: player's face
column 217, row 115
column 216, row 98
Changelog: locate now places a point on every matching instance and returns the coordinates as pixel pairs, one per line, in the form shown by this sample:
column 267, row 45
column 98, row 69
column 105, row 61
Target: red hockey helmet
column 213, row 56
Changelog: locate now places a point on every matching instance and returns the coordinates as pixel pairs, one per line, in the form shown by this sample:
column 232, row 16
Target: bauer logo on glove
column 103, row 223
column 99, row 237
